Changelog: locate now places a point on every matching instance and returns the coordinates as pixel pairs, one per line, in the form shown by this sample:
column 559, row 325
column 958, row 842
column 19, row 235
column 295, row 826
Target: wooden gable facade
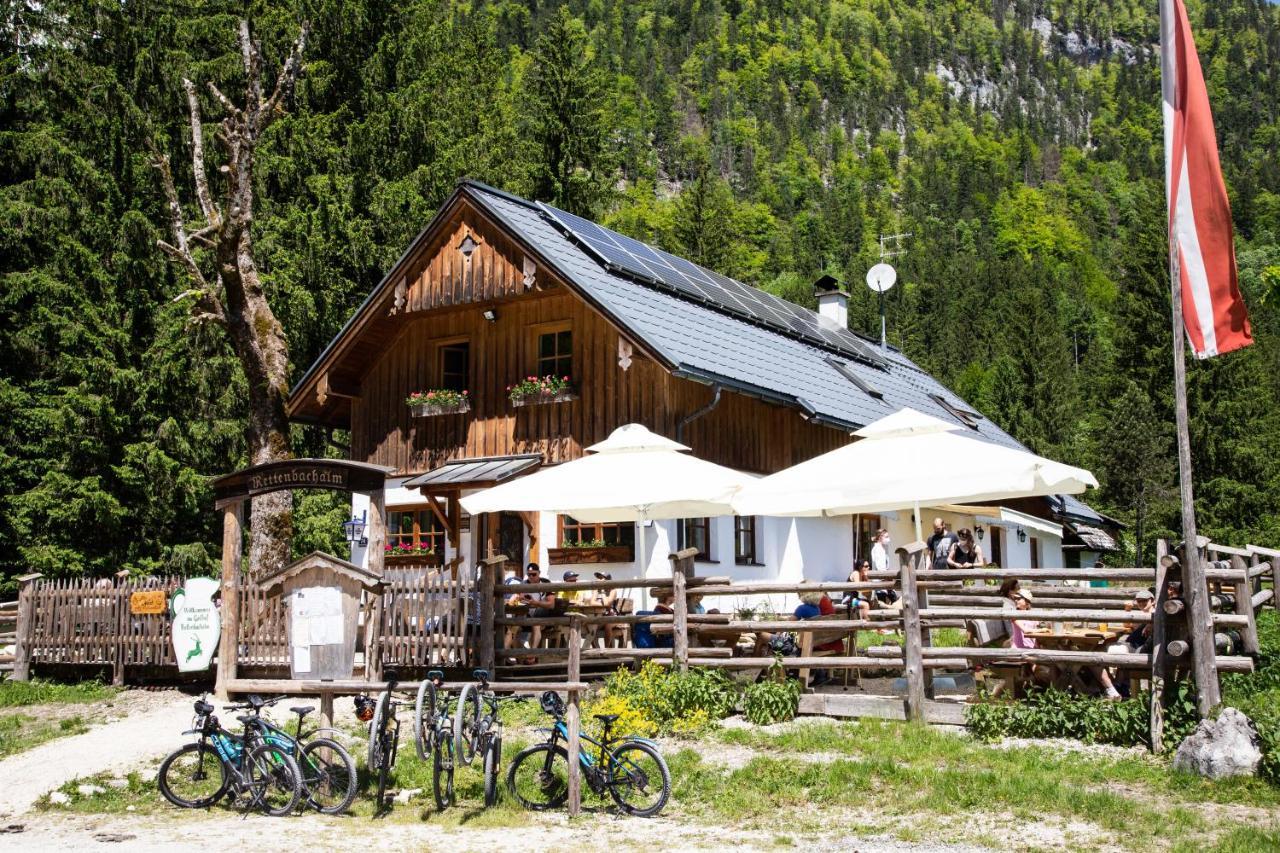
column 467, row 282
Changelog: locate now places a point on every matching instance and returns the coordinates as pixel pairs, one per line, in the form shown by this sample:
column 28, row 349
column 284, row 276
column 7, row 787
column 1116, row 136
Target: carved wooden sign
column 333, row 474
column 148, row 602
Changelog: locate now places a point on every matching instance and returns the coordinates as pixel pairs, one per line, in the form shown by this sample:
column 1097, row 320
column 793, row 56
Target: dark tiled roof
column 714, row 345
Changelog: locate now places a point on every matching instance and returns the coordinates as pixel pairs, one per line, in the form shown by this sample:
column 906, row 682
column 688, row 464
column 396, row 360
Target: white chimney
column 833, row 303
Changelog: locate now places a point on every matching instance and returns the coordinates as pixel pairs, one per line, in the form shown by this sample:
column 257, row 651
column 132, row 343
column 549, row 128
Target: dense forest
column 1017, row 142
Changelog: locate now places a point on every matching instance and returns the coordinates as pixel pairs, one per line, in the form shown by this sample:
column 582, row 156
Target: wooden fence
column 88, row 623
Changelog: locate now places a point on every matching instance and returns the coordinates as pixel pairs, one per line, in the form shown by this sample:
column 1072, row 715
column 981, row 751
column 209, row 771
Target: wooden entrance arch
column 232, row 490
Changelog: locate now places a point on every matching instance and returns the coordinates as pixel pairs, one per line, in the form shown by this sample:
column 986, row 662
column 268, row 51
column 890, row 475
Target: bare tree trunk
column 233, row 296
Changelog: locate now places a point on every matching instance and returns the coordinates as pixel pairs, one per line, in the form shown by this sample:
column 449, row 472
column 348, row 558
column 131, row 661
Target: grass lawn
column 798, row 783
column 21, row 730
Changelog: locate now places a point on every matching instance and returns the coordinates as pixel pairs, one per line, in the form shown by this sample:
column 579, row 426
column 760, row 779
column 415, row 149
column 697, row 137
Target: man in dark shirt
column 940, row 543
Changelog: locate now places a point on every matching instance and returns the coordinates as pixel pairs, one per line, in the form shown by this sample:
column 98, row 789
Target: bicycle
column 384, row 734
column 478, row 728
column 328, row 770
column 433, row 735
column 629, row 768
column 256, row 775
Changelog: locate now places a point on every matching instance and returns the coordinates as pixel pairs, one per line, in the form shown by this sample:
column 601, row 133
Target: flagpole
column 1194, row 586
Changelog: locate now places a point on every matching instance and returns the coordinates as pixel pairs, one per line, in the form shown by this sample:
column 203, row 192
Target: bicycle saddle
column 435, row 675
column 480, row 674
column 303, row 710
column 607, row 719
column 246, row 719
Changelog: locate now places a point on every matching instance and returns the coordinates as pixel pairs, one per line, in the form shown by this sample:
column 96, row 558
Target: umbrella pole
column 640, row 534
column 919, row 535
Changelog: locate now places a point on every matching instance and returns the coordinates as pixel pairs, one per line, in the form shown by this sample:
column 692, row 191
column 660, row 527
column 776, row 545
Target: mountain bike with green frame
column 629, row 769
column 255, row 775
column 328, row 770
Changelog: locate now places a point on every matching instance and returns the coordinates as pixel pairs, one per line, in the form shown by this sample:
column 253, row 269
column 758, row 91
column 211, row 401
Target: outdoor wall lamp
column 489, row 314
column 354, row 529
column 980, row 532
column 1022, row 534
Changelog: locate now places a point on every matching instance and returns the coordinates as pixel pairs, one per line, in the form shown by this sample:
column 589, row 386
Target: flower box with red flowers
column 440, row 401
column 536, row 390
column 407, row 552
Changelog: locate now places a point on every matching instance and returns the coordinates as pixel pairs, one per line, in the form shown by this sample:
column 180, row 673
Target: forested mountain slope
column 1018, row 143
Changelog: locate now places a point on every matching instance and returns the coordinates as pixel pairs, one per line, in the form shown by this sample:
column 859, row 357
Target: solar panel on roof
column 647, row 264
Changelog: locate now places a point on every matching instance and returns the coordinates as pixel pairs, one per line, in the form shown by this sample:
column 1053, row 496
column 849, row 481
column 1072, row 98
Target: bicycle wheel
column 539, row 777
column 274, row 780
column 492, row 767
column 442, row 769
column 375, row 757
column 328, row 776
column 465, row 723
column 193, row 777
column 384, row 769
column 640, row 782
column 424, row 718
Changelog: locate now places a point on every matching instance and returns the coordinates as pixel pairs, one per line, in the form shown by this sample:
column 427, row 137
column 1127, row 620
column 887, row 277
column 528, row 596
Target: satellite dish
column 881, row 277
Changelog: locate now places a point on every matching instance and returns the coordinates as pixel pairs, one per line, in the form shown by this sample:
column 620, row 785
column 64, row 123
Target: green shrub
column 666, row 701
column 1054, row 713
column 772, row 700
column 1257, row 694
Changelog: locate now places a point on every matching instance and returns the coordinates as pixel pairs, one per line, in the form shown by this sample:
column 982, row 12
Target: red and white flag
column 1200, row 234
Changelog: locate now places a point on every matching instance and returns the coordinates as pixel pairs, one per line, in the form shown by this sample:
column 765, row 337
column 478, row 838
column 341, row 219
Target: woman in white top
column 880, row 551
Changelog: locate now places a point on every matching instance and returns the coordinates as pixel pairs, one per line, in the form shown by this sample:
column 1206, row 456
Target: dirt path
column 149, row 727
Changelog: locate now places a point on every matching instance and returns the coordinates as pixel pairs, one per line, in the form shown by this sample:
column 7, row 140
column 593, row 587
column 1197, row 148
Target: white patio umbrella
column 908, row 460
column 633, row 475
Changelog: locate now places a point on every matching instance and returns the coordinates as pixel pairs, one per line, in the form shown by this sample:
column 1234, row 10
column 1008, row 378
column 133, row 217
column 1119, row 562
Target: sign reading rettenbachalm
column 334, row 474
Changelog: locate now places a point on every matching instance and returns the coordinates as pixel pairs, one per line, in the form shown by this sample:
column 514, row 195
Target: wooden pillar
column 1200, row 620
column 492, row 526
column 25, row 629
column 229, row 609
column 912, row 557
column 326, row 709
column 1159, row 655
column 573, row 719
column 1244, row 604
column 490, row 570
column 531, row 521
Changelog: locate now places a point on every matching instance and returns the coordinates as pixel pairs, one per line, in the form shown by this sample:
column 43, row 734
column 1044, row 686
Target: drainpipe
column 715, row 401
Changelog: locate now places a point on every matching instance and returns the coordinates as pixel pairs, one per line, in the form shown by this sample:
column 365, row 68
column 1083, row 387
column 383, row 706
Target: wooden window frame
column 746, row 529
column 440, row 347
column 1034, row 541
column 597, row 531
column 683, row 538
column 431, row 530
column 536, row 333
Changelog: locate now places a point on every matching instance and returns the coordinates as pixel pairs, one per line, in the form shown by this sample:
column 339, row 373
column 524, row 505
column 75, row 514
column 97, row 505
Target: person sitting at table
column 859, row 598
column 608, row 600
column 965, row 552
column 812, row 606
column 540, row 606
column 1138, row 637
column 643, row 636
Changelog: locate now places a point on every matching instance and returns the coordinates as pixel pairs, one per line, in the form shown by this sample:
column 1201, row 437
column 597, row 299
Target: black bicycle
column 384, row 734
column 477, row 728
column 254, row 775
column 433, row 735
column 629, row 769
column 328, row 770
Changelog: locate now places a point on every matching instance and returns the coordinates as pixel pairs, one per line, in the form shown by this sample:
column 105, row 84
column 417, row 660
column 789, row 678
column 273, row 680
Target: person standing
column 880, row 551
column 940, row 544
column 965, row 553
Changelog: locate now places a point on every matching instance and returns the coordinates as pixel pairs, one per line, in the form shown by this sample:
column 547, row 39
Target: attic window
column 849, row 373
column 467, row 246
column 964, row 416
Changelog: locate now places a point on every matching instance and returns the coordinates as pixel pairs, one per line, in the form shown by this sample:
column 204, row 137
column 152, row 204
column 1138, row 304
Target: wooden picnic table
column 1074, row 639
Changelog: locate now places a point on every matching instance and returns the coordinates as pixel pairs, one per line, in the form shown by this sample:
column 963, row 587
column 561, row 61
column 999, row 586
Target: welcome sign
column 196, row 626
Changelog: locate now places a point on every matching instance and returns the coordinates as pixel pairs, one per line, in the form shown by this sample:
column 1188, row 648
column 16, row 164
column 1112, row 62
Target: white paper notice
column 301, row 658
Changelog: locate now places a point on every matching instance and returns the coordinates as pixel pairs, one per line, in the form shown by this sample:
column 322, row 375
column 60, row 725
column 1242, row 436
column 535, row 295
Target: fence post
column 490, row 567
column 121, row 595
column 1244, row 605
column 23, row 631
column 573, row 720
column 680, row 621
column 229, row 642
column 1159, row 656
column 913, row 657
column 1195, row 589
